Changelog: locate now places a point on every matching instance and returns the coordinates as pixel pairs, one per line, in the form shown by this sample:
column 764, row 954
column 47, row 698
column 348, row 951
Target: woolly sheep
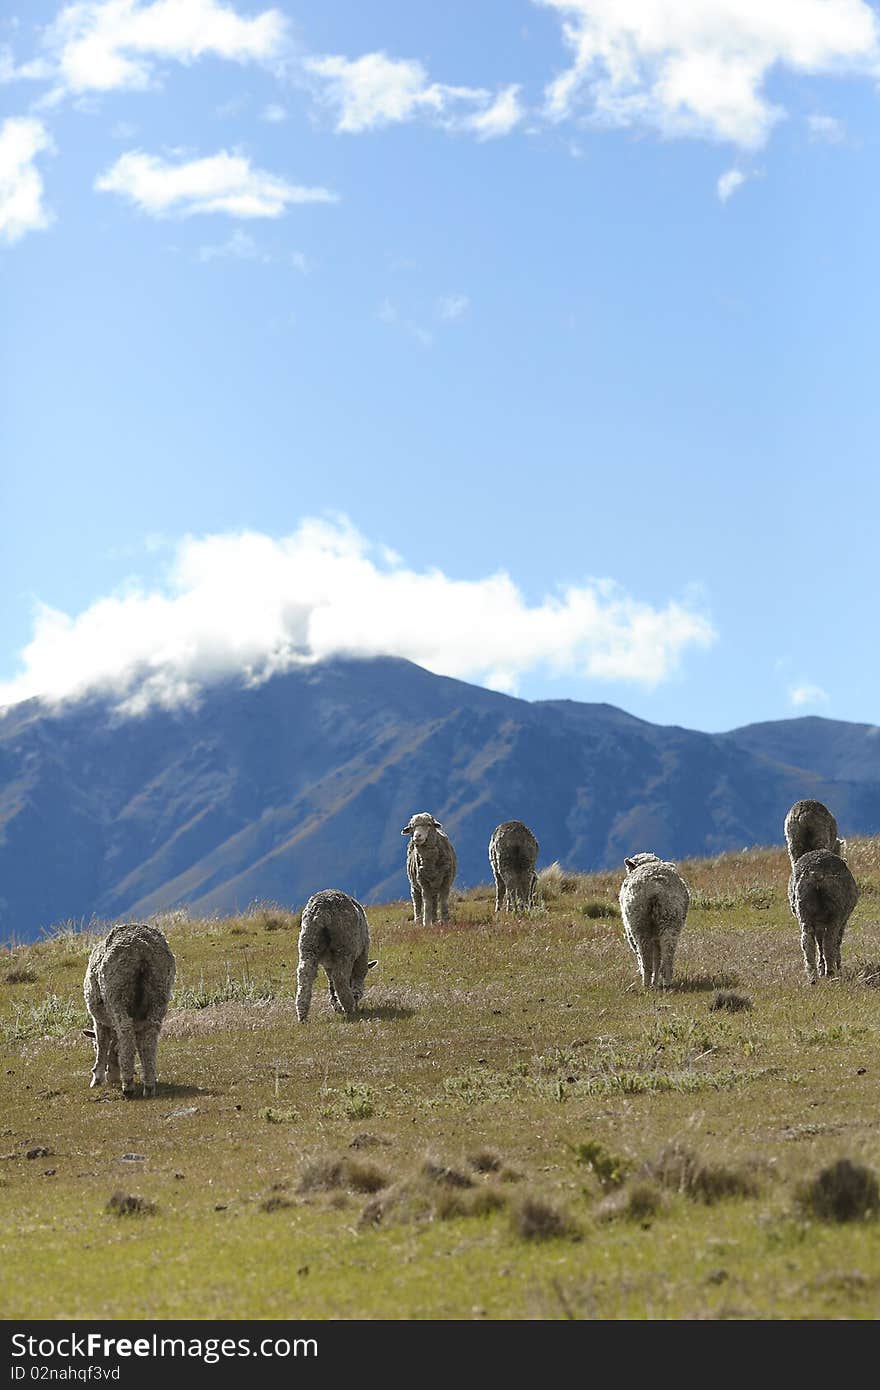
column 431, row 866
column 654, row 900
column 822, row 894
column 513, row 853
column 809, row 825
column 127, row 986
column 334, row 933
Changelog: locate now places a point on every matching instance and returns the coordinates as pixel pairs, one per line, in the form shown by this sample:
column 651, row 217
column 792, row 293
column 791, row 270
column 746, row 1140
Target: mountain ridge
column 303, row 782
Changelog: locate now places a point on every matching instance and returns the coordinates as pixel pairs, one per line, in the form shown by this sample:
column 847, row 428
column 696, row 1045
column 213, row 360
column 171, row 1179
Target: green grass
column 510, row 1128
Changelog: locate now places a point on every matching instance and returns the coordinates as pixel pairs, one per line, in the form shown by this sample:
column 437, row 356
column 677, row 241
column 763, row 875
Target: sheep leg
column 418, row 903
column 104, row 1048
column 499, row 889
column 113, row 1061
column 334, row 997
column 643, row 957
column 147, row 1039
column 429, row 911
column 127, row 1049
column 305, row 979
column 443, row 902
column 808, row 946
column 666, row 950
column 340, row 981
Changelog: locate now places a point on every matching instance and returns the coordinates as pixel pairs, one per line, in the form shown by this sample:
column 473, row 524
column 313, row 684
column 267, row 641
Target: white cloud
column 807, row 694
column 827, row 129
column 274, row 113
column 729, row 183
column 221, row 183
column 699, row 67
column 452, row 306
column 249, row 603
column 373, row 91
column 22, row 208
column 104, row 45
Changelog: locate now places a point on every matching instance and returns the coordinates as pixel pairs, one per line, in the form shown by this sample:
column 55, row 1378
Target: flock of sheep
column 130, row 973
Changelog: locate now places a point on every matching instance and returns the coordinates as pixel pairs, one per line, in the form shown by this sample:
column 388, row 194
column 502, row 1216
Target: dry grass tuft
column 533, row 1218
column 845, row 1191
column 329, row 1174
column 731, row 1001
column 484, row 1161
column 639, row 1203
column 683, row 1171
column 447, row 1177
column 127, row 1204
column 21, row 975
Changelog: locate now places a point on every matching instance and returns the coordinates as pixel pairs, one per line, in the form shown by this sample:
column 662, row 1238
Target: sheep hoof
column 149, row 1091
column 96, row 1081
column 128, row 1090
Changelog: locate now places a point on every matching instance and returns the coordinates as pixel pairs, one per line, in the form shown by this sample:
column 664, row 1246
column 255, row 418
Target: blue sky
column 533, row 341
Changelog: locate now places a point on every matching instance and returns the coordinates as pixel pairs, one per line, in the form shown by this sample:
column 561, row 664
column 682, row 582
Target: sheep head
column 421, row 827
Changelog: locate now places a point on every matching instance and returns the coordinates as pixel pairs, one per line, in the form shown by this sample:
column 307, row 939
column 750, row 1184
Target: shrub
column 731, row 1001
column 682, row 1171
column 845, row 1191
column 127, row 1204
column 536, row 1219
column 607, row 1168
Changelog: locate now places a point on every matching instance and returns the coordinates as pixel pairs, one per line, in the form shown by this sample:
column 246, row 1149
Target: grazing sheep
column 822, row 894
column 127, row 987
column 654, row 900
column 809, row 825
column 431, row 866
column 513, row 853
column 334, row 933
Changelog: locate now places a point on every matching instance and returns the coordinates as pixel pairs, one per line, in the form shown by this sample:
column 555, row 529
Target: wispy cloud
column 375, row 90
column 729, row 182
column 274, row 113
column 107, row 45
column 452, row 306
column 223, row 182
column 699, row 67
column 251, row 604
column 827, row 130
column 22, row 208
column 241, row 246
column 806, row 694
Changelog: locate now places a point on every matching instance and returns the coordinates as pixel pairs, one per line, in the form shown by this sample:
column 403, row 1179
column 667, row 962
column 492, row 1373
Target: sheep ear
column 436, row 823
column 88, row 1032
column 630, row 863
column 371, row 964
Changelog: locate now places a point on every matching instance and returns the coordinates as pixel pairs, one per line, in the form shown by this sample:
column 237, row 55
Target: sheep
column 334, row 933
column 809, row 825
column 821, row 894
column 431, row 866
column 513, row 853
column 654, row 901
column 127, row 986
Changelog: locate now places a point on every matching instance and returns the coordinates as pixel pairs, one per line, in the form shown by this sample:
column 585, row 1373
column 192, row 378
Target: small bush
column 596, row 909
column 845, row 1191
column 639, row 1203
column 731, row 1001
column 447, row 1177
column 21, row 975
column 276, row 1203
column 609, row 1169
column 329, row 1174
column 127, row 1204
column 682, row 1171
column 278, row 1117
column 484, row 1161
column 535, row 1219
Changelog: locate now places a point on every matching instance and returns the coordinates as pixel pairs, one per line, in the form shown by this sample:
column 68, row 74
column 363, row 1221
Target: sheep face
column 420, row 828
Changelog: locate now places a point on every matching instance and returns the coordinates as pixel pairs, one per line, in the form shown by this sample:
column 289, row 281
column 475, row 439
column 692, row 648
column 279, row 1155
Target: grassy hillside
column 510, row 1129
